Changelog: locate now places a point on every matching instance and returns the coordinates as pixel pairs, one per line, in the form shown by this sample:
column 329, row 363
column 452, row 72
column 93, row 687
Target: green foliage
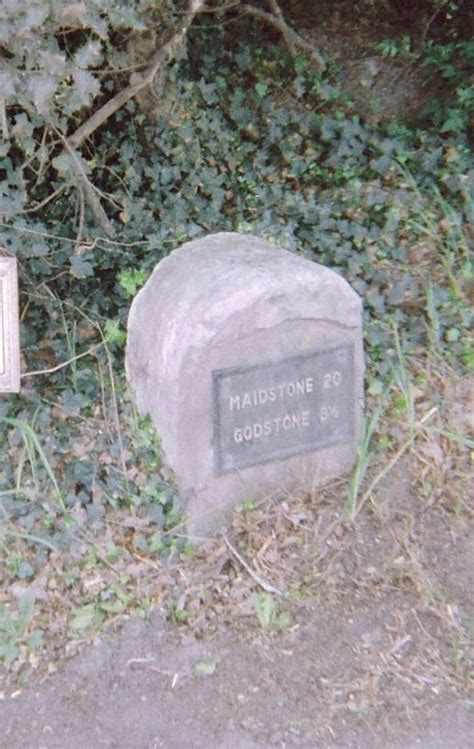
column 59, row 62
column 114, row 333
column 87, row 617
column 206, row 668
column 131, row 280
column 112, row 600
column 307, row 174
column 269, row 618
column 34, row 453
column 15, row 630
column 467, row 358
column 364, row 455
column 452, row 111
column 181, row 616
column 393, row 47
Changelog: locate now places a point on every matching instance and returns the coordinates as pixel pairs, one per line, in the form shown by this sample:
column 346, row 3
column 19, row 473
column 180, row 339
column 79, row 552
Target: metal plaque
column 276, row 409
column 9, row 327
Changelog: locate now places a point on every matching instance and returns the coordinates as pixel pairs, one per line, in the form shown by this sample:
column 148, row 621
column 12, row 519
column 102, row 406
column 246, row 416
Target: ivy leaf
column 26, row 607
column 79, row 14
column 42, row 89
column 7, row 83
column 39, row 249
column 75, row 12
column 131, row 280
column 64, row 164
column 23, row 127
column 300, row 64
column 25, row 570
column 114, row 333
column 454, row 122
column 53, row 62
column 81, row 268
column 85, row 89
column 35, row 16
column 87, row 55
column 86, row 617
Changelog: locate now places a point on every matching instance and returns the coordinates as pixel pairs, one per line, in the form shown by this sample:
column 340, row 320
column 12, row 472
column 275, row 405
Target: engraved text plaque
column 273, row 410
column 9, row 327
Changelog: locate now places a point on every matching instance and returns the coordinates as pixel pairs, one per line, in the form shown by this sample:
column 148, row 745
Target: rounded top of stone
column 233, row 269
column 223, row 287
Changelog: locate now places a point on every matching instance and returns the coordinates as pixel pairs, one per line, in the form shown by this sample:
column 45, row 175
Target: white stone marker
column 9, row 327
column 249, row 360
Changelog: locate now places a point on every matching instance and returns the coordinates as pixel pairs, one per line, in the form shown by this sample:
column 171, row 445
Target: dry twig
column 260, row 581
column 393, row 461
column 89, row 351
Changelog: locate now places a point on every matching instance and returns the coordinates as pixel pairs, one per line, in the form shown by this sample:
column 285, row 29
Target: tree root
column 292, row 39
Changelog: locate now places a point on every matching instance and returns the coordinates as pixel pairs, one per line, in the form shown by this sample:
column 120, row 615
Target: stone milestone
column 9, row 327
column 249, row 360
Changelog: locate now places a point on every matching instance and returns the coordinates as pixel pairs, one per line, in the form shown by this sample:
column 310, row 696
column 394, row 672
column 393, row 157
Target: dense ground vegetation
column 237, row 132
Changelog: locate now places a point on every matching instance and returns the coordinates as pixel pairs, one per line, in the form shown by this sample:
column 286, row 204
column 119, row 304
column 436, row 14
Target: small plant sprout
column 403, row 382
column 364, row 455
column 131, row 280
column 35, row 452
column 15, row 631
column 270, row 619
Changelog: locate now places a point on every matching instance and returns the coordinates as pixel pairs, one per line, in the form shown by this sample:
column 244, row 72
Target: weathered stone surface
column 9, row 327
column 249, row 360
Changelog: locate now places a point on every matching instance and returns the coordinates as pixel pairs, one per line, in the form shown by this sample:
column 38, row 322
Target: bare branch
column 292, row 39
column 89, row 351
column 94, row 204
column 89, row 191
column 160, row 58
column 38, row 206
column 3, row 120
column 216, row 9
column 277, row 12
column 3, row 109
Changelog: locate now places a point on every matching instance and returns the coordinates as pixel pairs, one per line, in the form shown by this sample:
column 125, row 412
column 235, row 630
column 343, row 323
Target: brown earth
column 368, row 645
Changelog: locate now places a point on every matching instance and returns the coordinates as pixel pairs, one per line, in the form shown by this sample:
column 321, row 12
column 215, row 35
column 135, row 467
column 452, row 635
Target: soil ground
column 368, row 645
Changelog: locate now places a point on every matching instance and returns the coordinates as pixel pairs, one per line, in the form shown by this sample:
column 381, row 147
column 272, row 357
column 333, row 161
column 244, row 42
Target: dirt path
column 370, row 645
column 143, row 690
